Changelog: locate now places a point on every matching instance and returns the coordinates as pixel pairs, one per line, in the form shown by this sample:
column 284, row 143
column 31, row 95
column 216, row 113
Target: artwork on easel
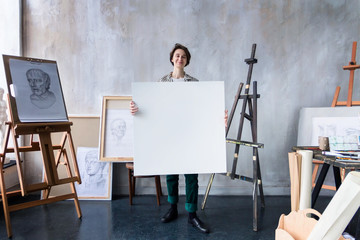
column 117, row 131
column 35, row 90
column 95, row 175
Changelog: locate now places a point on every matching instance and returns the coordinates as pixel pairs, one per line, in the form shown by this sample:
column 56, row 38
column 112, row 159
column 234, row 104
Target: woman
column 180, row 58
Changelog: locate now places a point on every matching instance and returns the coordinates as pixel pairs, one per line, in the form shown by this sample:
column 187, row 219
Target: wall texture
column 103, row 46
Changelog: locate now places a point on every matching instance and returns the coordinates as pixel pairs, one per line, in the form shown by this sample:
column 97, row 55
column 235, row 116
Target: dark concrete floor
column 229, row 217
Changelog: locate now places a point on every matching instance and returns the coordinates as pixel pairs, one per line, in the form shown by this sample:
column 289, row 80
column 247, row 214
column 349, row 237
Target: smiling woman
column 180, row 58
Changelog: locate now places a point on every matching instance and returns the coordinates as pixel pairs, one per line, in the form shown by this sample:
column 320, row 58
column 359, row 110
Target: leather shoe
column 172, row 214
column 198, row 224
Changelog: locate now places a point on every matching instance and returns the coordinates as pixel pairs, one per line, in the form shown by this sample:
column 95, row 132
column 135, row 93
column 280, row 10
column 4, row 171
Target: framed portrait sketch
column 117, row 132
column 34, row 90
column 95, row 175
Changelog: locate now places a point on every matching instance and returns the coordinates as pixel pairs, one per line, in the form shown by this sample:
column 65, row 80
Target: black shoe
column 172, row 214
column 197, row 223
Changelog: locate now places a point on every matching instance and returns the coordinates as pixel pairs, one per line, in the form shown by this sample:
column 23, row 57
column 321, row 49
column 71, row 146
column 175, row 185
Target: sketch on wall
column 36, row 87
column 95, row 175
column 343, row 132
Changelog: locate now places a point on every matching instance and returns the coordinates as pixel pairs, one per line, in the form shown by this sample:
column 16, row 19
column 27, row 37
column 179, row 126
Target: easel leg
column 72, row 185
column 319, row 183
column 336, row 96
column 211, row 179
column 5, row 200
column 255, row 185
column 260, row 180
column 76, row 200
column 72, row 151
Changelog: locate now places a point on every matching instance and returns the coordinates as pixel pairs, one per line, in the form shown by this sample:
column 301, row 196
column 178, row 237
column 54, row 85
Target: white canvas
column 179, row 128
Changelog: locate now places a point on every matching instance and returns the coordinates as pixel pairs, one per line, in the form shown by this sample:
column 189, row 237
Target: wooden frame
column 116, row 132
column 35, row 91
column 97, row 179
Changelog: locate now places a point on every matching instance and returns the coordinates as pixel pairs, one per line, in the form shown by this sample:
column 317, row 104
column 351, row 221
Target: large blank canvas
column 179, row 128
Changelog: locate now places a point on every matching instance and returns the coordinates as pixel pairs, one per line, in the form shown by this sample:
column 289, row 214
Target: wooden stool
column 132, row 178
column 317, row 163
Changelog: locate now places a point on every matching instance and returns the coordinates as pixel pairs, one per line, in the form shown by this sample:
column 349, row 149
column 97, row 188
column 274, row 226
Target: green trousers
column 191, row 188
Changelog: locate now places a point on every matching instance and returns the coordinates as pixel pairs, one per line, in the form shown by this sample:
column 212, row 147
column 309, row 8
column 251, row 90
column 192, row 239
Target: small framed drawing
column 95, row 175
column 35, row 91
column 117, row 131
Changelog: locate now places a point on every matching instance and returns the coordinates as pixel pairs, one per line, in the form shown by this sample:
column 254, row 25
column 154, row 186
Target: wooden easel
column 50, row 163
column 249, row 100
column 17, row 127
column 351, row 67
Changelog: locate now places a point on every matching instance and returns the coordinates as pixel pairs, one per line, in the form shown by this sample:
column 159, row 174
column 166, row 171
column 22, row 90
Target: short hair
column 34, row 72
column 179, row 46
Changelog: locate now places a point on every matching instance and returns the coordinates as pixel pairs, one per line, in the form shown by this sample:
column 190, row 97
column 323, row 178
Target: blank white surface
column 179, row 128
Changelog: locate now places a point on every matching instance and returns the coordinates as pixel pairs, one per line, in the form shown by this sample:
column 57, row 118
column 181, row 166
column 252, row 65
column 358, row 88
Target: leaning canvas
column 35, row 90
column 179, row 128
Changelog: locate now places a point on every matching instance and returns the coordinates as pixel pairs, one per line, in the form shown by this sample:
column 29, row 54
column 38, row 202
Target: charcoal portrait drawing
column 118, row 133
column 118, row 129
column 35, row 87
column 39, row 82
column 94, row 174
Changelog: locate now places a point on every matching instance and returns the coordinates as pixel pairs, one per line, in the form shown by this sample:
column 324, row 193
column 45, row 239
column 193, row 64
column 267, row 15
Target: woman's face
column 179, row 58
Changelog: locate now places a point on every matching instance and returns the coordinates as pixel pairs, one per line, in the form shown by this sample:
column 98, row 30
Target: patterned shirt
column 187, row 78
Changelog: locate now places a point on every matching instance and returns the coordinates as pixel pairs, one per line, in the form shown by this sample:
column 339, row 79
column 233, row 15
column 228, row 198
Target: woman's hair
column 179, row 46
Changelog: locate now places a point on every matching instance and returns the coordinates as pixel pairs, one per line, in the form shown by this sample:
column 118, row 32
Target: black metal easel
column 249, row 100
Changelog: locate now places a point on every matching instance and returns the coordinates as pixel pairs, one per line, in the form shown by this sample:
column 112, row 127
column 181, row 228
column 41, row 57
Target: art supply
column 306, row 173
column 324, row 143
column 295, row 179
column 54, row 156
column 340, row 210
column 351, row 67
column 249, row 102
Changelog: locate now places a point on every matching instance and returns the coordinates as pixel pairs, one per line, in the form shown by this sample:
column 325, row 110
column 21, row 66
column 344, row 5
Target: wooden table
column 328, row 161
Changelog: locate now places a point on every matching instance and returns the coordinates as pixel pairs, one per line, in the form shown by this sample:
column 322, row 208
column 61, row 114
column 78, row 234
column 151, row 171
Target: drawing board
column 35, row 90
column 315, row 122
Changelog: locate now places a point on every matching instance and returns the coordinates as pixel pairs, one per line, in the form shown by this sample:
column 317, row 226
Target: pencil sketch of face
column 39, row 82
column 118, row 129
column 92, row 165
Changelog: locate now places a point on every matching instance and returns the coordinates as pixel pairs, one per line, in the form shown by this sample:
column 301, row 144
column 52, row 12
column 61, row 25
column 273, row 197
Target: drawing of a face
column 92, row 164
column 39, row 81
column 118, row 128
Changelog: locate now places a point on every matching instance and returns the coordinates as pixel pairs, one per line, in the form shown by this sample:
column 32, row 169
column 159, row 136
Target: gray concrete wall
column 103, row 46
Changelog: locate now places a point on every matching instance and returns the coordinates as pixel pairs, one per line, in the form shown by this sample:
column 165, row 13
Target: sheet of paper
column 179, row 128
column 306, row 174
column 38, row 92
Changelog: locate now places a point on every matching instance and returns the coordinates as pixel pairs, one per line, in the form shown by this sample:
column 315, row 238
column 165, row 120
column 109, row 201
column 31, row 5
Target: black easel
column 251, row 101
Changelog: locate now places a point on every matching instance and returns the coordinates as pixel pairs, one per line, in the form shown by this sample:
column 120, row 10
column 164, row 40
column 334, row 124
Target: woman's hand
column 133, row 108
column 226, row 119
